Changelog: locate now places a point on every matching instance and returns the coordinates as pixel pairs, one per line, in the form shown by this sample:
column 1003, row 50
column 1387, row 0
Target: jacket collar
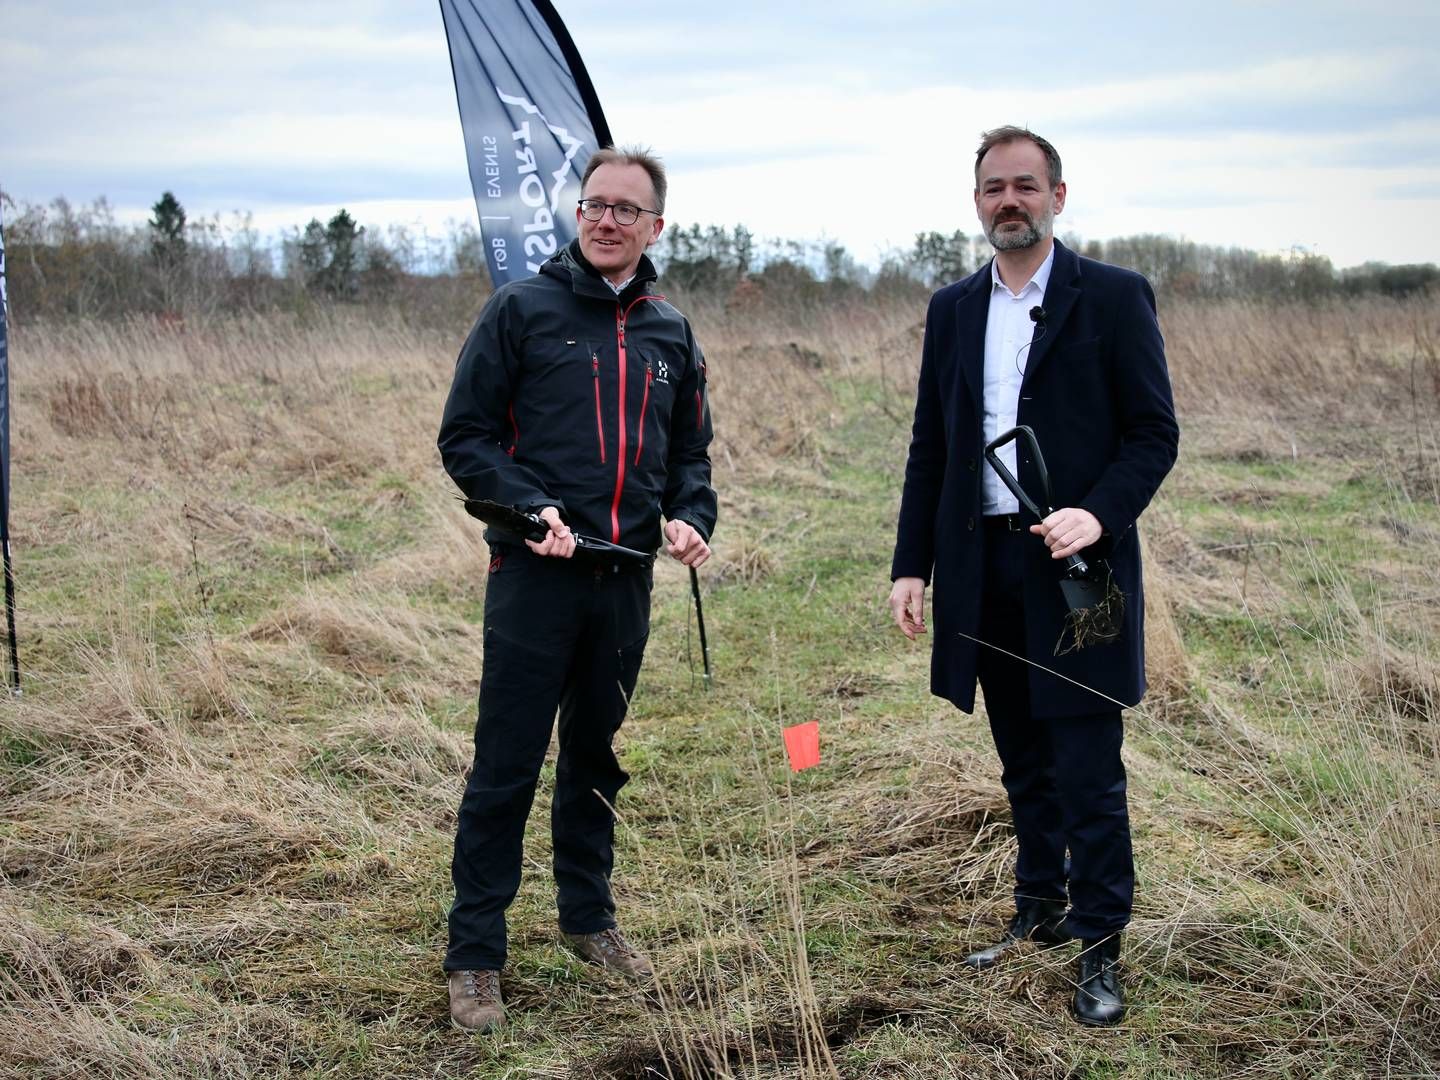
column 570, row 266
column 1064, row 270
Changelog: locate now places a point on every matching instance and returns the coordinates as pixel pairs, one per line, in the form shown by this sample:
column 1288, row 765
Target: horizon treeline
column 68, row 262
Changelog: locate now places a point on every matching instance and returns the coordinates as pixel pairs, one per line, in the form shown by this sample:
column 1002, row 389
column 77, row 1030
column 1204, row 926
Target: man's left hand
column 1068, row 530
column 685, row 544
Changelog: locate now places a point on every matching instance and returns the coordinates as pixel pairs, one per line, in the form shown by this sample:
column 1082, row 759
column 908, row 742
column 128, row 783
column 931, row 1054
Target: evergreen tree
column 167, row 231
column 314, row 257
column 343, row 239
column 332, row 256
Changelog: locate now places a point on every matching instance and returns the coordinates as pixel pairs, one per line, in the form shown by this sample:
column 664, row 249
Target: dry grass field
column 250, row 608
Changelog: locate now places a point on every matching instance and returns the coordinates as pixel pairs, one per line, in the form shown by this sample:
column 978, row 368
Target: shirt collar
column 1040, row 280
column 618, row 289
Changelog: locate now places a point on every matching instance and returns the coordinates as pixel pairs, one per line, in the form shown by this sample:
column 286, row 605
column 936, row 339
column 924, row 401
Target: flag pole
column 5, row 471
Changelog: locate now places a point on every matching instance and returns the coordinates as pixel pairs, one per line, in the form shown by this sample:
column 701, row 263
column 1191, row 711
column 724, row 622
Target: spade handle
column 1075, row 566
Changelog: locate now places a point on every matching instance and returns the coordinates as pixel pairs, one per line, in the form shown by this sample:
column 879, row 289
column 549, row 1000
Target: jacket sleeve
column 689, row 496
column 1145, row 414
column 477, row 413
column 924, row 470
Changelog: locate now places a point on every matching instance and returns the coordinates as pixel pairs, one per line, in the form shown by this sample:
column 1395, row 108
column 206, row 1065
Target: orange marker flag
column 802, row 743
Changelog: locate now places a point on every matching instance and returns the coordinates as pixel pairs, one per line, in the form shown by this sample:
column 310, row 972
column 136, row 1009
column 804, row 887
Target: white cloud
column 795, row 126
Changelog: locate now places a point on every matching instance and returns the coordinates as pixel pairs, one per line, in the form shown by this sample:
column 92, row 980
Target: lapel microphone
column 1037, row 316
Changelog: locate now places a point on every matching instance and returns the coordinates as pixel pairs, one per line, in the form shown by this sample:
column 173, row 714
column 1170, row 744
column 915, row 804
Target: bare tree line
column 66, row 261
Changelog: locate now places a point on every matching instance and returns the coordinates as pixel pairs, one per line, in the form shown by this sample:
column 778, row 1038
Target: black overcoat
column 1097, row 394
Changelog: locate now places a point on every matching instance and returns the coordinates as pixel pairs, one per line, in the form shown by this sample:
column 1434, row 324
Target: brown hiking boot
column 610, row 950
column 475, row 1003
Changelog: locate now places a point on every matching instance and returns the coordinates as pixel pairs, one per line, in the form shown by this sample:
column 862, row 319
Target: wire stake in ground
column 700, row 622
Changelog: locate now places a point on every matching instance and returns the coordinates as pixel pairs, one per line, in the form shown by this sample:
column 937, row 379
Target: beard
column 1016, row 239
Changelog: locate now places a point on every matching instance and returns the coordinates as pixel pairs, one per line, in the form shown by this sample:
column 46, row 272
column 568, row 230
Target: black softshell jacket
column 566, row 395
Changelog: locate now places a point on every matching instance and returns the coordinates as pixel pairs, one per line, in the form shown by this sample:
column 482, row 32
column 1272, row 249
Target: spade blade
column 1081, row 593
column 1096, row 610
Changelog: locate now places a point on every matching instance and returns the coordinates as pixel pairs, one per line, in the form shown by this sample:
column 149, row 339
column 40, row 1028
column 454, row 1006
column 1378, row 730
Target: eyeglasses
column 623, row 213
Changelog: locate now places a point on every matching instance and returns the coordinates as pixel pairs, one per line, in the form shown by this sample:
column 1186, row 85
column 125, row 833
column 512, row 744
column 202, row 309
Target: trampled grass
column 249, row 613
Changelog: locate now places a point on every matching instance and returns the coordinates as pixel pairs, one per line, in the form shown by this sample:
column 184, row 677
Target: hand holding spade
column 560, row 543
column 1068, row 530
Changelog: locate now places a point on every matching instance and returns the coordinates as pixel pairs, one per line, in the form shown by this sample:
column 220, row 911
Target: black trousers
column 559, row 634
column 1063, row 775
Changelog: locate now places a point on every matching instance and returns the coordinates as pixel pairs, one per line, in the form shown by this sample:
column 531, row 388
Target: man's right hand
column 561, row 541
column 907, row 604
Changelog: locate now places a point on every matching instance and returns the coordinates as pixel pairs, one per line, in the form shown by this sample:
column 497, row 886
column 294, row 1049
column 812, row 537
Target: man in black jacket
column 579, row 396
column 1071, row 348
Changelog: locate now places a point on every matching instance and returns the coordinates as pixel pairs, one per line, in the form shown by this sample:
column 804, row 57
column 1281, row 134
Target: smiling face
column 613, row 249
column 1013, row 196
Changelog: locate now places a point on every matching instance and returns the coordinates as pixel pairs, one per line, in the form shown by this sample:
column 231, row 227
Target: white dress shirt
column 1008, row 334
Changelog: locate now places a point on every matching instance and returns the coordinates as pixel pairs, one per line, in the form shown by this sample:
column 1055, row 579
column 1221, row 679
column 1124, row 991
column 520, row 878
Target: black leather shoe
column 1098, row 999
column 1042, row 922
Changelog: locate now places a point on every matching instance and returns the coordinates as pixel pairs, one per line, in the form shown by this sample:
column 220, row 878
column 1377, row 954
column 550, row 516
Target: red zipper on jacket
column 620, row 315
column 599, row 418
column 644, row 406
column 516, row 429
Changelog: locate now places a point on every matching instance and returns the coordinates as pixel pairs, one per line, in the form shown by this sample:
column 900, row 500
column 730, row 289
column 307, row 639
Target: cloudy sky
column 1264, row 124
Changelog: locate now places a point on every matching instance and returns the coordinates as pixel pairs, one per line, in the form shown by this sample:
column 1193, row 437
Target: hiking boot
column 610, row 950
column 1042, row 922
column 1099, row 1001
column 475, row 1003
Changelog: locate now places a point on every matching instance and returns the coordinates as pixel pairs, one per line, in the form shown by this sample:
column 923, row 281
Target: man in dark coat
column 1071, row 348
column 579, row 397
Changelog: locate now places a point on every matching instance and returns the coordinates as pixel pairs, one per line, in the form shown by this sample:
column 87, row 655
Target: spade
column 1095, row 607
column 533, row 527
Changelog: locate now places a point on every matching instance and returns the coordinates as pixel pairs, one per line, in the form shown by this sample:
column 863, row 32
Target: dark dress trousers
column 1096, row 392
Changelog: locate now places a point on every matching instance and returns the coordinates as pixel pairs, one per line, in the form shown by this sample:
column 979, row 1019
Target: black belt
column 1006, row 523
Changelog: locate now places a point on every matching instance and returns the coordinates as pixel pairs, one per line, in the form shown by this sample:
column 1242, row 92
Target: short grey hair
column 630, row 155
